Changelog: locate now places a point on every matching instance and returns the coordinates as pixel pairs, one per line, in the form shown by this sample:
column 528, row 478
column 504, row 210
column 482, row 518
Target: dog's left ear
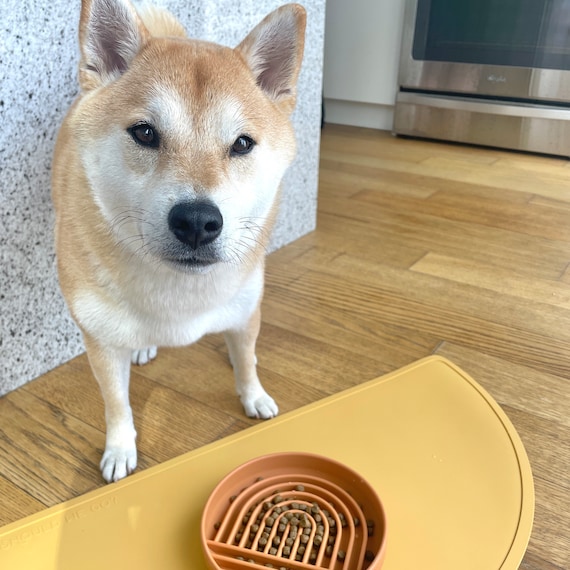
column 274, row 50
column 111, row 34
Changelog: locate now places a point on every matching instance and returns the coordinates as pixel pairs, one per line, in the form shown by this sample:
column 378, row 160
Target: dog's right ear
column 111, row 34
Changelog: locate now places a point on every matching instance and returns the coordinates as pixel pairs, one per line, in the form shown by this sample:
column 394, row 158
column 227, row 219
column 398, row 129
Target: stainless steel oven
column 489, row 72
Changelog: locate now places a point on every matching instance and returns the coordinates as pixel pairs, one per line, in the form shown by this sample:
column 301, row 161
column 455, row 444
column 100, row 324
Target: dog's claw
column 117, row 463
column 263, row 407
column 144, row 355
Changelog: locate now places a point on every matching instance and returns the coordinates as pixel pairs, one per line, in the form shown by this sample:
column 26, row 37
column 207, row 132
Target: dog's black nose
column 195, row 223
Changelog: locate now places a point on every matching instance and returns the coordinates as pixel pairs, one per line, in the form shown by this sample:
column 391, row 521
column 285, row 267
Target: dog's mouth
column 191, row 262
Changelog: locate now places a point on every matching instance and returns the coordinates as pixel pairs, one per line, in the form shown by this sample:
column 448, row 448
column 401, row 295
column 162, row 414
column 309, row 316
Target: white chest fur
column 169, row 308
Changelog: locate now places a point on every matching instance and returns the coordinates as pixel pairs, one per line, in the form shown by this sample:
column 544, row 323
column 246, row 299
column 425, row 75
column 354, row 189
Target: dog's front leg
column 111, row 368
column 256, row 401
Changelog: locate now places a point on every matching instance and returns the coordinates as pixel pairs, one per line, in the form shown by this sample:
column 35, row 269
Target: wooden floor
column 421, row 248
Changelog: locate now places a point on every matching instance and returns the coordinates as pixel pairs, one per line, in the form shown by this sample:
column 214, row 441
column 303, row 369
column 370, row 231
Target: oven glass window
column 526, row 33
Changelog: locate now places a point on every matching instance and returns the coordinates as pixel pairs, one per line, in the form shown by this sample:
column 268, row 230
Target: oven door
column 513, row 49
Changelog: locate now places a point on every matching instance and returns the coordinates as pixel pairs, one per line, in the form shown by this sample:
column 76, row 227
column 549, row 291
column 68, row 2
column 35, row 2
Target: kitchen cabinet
column 362, row 49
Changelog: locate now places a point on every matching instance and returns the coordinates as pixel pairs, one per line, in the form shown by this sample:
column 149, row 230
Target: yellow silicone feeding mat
column 445, row 460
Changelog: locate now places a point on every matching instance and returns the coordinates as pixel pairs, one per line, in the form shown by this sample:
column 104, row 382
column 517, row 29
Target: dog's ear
column 274, row 50
column 110, row 35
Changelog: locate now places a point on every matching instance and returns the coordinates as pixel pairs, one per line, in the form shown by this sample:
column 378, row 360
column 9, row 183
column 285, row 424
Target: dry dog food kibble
column 291, row 524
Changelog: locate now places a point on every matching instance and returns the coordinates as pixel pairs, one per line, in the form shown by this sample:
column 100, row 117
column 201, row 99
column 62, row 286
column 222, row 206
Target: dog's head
column 185, row 142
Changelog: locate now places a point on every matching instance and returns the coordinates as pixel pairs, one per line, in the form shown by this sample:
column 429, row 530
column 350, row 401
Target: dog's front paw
column 259, row 405
column 118, row 462
column 144, row 355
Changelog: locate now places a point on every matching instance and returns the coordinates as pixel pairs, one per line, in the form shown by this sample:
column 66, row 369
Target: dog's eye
column 242, row 145
column 144, row 134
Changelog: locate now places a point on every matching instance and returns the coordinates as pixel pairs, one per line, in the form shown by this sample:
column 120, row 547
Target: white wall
column 362, row 49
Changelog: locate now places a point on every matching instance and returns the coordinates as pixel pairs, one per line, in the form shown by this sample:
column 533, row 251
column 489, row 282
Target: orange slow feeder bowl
column 293, row 511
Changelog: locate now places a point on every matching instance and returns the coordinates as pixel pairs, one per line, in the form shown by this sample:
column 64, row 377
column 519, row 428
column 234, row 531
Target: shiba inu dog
column 165, row 182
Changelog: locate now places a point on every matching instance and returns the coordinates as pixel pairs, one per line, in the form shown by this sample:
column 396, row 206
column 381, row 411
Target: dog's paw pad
column 117, row 463
column 261, row 407
column 144, row 355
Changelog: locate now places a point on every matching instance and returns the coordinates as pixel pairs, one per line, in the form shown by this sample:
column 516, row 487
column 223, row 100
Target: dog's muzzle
column 196, row 223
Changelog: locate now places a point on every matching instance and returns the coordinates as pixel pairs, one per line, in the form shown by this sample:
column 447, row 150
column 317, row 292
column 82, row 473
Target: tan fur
column 161, row 23
column 114, row 197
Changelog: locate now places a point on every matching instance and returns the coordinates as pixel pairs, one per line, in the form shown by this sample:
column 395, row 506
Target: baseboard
column 359, row 114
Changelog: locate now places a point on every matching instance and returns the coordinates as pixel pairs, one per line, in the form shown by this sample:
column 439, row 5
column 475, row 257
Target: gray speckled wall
column 38, row 59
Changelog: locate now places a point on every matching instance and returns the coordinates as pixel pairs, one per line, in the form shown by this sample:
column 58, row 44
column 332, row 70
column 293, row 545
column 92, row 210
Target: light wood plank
column 521, row 216
column 494, row 278
column 414, row 229
column 347, row 184
column 51, row 455
column 543, row 395
column 554, row 184
column 371, row 240
column 20, row 504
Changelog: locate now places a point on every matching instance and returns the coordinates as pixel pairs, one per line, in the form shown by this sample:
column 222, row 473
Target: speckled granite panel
column 38, row 58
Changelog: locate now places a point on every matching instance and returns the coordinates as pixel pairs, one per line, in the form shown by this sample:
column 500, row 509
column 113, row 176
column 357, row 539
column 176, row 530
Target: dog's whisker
column 242, row 253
